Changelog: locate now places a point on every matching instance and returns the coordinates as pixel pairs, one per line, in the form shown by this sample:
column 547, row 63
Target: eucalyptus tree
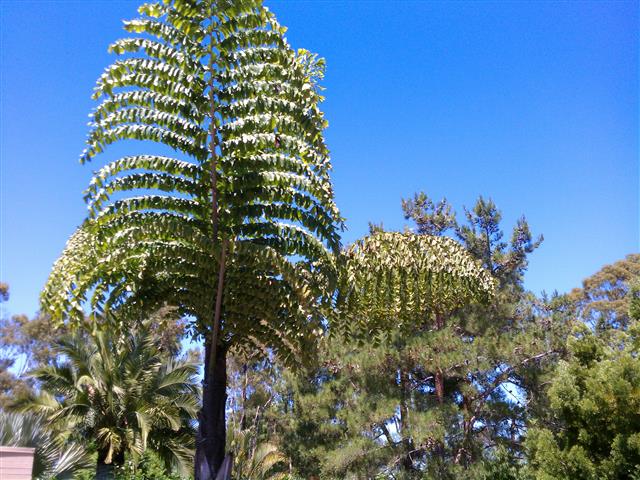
column 237, row 226
column 603, row 301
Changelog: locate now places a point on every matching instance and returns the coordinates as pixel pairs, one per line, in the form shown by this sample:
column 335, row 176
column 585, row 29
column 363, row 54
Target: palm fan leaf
column 54, row 456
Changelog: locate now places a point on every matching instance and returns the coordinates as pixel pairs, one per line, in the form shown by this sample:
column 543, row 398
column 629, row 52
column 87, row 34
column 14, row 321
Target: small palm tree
column 122, row 395
column 54, row 456
column 253, row 460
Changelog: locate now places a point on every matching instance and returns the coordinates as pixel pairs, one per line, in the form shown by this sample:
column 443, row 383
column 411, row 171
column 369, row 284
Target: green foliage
column 32, row 338
column 634, row 300
column 255, row 385
column 246, row 197
column 595, row 405
column 399, row 285
column 55, row 456
column 121, row 395
column 24, row 344
column 234, row 224
column 148, row 467
column 406, row 279
column 430, row 217
column 253, row 459
column 603, row 302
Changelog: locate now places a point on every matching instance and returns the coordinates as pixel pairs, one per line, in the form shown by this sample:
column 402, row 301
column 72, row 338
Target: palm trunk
column 107, row 471
column 439, row 375
column 211, row 438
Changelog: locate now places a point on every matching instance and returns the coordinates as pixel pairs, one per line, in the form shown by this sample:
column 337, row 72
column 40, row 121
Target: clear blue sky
column 534, row 104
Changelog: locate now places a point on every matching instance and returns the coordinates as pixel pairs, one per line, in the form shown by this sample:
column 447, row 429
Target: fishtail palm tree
column 235, row 222
column 121, row 394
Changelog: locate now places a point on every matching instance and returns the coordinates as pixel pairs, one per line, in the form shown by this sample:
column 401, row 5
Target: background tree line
column 533, row 387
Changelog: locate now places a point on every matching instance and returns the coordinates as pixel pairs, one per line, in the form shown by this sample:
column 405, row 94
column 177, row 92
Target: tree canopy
column 236, row 227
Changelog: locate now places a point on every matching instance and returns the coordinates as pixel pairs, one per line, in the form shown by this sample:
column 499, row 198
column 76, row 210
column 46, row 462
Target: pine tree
column 432, row 397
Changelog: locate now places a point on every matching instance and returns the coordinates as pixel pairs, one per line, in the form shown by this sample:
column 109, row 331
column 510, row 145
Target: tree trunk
column 440, row 386
column 211, row 438
column 107, row 471
column 405, row 432
column 439, row 375
column 245, row 387
column 463, row 456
